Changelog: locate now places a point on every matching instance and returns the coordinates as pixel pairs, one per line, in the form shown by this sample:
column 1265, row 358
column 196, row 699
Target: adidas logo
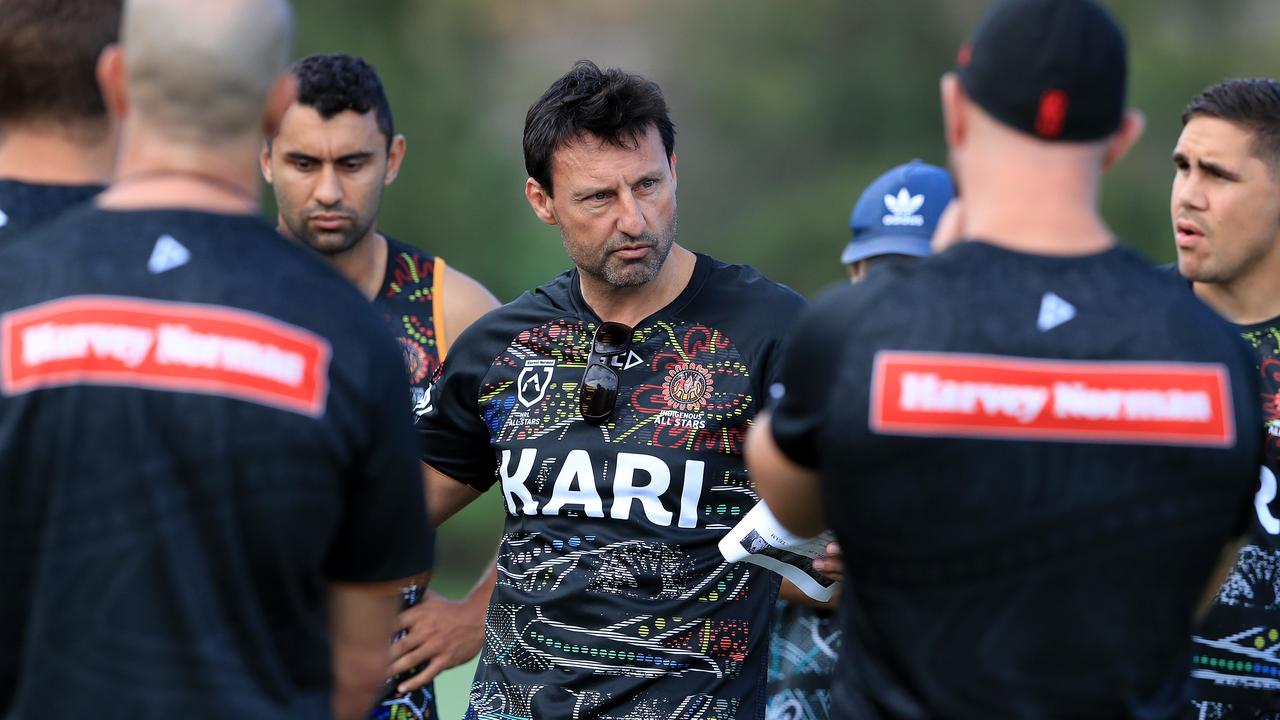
column 903, row 208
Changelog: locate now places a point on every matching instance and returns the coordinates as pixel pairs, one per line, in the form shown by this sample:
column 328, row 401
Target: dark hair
column 1252, row 103
column 612, row 105
column 49, row 57
column 337, row 82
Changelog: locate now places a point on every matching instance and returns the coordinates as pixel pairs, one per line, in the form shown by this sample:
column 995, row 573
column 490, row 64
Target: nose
column 328, row 187
column 631, row 221
column 1188, row 192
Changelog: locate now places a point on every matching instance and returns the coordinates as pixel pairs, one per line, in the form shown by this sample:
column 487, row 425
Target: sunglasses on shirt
column 598, row 392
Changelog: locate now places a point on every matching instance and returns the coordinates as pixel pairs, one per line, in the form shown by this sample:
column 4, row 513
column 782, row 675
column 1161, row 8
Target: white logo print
column 534, row 379
column 167, row 255
column 422, row 400
column 1054, row 311
column 4, row 219
column 903, row 208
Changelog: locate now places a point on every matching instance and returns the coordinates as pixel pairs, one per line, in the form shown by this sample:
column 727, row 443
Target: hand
column 441, row 632
column 831, row 564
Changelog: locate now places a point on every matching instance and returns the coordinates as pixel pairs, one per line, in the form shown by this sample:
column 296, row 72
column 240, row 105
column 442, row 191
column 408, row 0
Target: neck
column 52, row 157
column 365, row 264
column 1248, row 299
column 1036, row 200
column 630, row 305
column 156, row 172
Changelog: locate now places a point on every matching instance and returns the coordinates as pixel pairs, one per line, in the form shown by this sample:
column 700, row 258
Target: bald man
column 209, row 496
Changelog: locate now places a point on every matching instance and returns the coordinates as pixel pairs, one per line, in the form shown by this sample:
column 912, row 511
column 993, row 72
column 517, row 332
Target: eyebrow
column 1208, row 165
column 583, row 195
column 295, row 155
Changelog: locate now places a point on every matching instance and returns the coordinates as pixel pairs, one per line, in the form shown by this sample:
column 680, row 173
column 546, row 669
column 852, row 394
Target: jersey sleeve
column 807, row 371
column 452, row 435
column 385, row 533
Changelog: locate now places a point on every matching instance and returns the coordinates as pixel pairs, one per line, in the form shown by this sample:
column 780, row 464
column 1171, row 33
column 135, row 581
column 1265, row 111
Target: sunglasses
column 598, row 392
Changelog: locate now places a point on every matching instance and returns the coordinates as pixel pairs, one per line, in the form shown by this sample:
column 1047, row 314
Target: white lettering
column 1265, row 495
column 180, row 345
column 1077, row 400
column 575, row 471
column 49, row 342
column 926, row 392
column 513, row 484
column 691, row 494
column 650, row 496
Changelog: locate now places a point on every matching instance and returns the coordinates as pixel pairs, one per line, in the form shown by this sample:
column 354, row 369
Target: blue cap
column 897, row 214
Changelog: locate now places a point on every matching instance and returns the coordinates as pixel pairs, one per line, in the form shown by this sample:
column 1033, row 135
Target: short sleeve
column 808, row 369
column 385, row 533
column 452, row 436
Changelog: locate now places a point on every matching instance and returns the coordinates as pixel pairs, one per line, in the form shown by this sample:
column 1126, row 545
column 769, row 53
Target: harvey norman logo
column 903, row 209
column 95, row 340
column 949, row 395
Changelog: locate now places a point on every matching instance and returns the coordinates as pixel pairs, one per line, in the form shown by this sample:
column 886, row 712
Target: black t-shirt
column 23, row 206
column 1032, row 464
column 1236, row 656
column 612, row 598
column 201, row 426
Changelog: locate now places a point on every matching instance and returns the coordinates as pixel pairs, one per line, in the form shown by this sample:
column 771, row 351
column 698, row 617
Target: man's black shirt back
column 24, row 206
column 201, row 427
column 1032, row 464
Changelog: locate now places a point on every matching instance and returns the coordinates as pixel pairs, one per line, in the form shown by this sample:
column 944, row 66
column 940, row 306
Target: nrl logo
column 533, row 381
column 688, row 387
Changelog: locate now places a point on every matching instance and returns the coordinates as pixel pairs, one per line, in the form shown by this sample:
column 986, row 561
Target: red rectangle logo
column 158, row 345
column 953, row 395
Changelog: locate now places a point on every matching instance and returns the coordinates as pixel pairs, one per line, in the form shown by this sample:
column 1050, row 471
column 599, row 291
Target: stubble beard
column 620, row 273
column 331, row 244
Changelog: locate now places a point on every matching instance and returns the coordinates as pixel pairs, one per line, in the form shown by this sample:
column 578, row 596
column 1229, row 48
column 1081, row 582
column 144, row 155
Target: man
column 1226, row 220
column 1031, row 485
column 335, row 153
column 57, row 142
column 892, row 222
column 210, row 498
column 612, row 403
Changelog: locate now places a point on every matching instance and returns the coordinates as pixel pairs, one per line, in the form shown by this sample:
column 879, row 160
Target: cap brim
column 912, row 245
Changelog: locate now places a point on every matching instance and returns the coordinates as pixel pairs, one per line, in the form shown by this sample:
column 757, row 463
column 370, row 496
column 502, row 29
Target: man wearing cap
column 892, row 222
column 1032, row 485
column 1225, row 207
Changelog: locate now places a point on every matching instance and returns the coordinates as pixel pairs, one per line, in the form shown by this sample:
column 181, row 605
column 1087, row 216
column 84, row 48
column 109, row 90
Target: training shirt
column 201, row 426
column 26, row 205
column 1032, row 464
column 612, row 598
column 1236, row 656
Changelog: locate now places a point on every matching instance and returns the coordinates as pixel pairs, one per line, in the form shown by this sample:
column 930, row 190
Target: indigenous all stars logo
column 688, row 387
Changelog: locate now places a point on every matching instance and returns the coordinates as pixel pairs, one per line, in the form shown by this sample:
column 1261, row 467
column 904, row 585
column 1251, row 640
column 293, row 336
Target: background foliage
column 785, row 110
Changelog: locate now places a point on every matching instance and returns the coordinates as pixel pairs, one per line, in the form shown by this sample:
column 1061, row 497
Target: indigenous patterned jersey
column 612, row 598
column 1032, row 464
column 1236, row 657
column 410, row 300
column 26, row 205
column 802, row 662
column 189, row 456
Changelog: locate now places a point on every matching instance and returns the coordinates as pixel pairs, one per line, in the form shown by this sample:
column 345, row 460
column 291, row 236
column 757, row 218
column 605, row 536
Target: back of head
column 1251, row 103
column 199, row 72
column 337, row 82
column 50, row 52
column 1052, row 69
column 612, row 105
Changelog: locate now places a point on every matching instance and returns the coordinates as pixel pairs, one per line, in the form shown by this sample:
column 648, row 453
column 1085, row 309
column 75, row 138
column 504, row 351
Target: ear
column 540, row 200
column 1125, row 137
column 395, row 156
column 110, row 73
column 283, row 93
column 953, row 103
column 671, row 162
column 264, row 160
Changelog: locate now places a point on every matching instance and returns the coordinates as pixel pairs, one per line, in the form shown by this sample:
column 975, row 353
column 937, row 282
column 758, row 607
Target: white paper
column 759, row 538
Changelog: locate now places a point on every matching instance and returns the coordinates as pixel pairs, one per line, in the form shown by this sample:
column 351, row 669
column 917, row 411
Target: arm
column 790, row 490
column 445, row 496
column 361, row 618
column 1226, row 562
column 465, row 300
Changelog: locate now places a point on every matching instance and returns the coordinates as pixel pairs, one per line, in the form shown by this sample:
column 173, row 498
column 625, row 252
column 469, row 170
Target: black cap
column 1054, row 69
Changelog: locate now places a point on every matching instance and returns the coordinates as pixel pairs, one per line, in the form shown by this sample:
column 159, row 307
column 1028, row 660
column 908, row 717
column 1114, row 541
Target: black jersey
column 1236, row 656
column 23, row 205
column 201, row 426
column 1032, row 464
column 612, row 598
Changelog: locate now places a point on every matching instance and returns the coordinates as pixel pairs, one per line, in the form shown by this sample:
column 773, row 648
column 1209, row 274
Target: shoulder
column 491, row 333
column 747, row 289
column 463, row 296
